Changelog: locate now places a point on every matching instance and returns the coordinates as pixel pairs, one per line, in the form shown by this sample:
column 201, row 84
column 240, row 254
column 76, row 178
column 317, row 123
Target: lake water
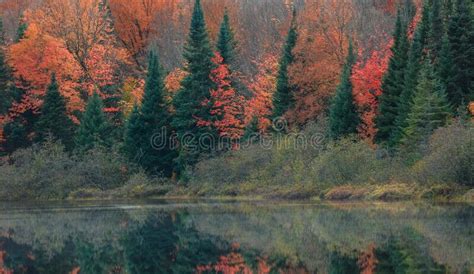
column 236, row 237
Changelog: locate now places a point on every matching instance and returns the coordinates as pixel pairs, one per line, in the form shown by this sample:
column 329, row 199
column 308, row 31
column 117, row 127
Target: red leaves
column 33, row 60
column 262, row 86
column 227, row 105
column 367, row 82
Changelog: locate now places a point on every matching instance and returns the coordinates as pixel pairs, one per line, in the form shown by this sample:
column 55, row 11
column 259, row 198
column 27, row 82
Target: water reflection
column 262, row 237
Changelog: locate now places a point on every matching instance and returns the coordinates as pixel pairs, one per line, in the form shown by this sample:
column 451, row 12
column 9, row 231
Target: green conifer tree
column 225, row 41
column 95, row 130
column 429, row 110
column 436, row 31
column 343, row 115
column 134, row 136
column 193, row 100
column 20, row 32
column 283, row 98
column 152, row 125
column 6, row 87
column 447, row 70
column 54, row 121
column 461, row 41
column 393, row 84
column 410, row 81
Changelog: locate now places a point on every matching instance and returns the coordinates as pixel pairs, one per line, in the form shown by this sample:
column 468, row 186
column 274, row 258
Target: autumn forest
column 359, row 99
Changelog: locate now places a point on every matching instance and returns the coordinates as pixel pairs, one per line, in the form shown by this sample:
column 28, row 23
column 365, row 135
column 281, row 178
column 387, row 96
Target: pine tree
column 429, row 109
column 392, row 84
column 20, row 32
column 283, row 97
column 343, row 116
column 446, row 69
column 6, row 87
column 152, row 125
column 410, row 80
column 225, row 41
column 134, row 136
column 94, row 130
column 54, row 121
column 461, row 40
column 435, row 35
column 16, row 136
column 193, row 100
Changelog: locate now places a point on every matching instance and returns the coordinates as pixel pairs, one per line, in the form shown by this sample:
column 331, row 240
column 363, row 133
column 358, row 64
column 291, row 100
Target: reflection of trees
column 203, row 238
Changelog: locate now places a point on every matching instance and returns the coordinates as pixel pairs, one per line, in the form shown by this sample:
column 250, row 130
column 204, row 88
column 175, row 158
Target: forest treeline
column 82, row 75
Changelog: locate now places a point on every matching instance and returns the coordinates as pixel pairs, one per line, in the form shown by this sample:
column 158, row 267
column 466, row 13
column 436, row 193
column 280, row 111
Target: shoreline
column 391, row 193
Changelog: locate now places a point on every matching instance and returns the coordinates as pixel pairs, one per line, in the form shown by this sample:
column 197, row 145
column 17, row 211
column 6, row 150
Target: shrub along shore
column 347, row 169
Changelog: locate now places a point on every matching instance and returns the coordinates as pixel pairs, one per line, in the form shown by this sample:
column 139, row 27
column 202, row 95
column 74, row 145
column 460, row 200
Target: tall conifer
column 343, row 116
column 283, row 98
column 392, row 85
column 461, row 41
column 225, row 41
column 148, row 131
column 193, row 100
column 415, row 59
column 429, row 109
column 54, row 121
column 94, row 130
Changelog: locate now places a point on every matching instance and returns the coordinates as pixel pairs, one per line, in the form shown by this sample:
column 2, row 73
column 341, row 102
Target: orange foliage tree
column 34, row 59
column 87, row 31
column 367, row 87
column 259, row 106
column 136, row 22
column 227, row 105
column 319, row 55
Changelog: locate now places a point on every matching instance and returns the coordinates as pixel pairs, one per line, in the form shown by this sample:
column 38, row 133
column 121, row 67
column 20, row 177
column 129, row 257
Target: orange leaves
column 173, row 80
column 134, row 21
column 34, row 59
column 86, row 30
column 367, row 260
column 319, row 54
column 367, row 87
column 262, row 86
column 72, row 38
column 227, row 105
column 101, row 66
column 3, row 268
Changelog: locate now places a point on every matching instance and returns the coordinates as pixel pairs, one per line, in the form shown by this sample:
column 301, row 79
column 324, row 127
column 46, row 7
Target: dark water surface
column 235, row 237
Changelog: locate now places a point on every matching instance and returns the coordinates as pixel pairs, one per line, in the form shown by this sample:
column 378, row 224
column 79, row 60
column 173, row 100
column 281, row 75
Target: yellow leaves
column 132, row 94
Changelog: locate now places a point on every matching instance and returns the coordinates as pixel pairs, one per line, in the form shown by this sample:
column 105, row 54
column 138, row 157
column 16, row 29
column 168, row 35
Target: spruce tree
column 435, row 35
column 54, row 121
column 193, row 100
column 461, row 41
column 94, row 130
column 446, row 69
column 152, row 125
column 225, row 41
column 134, row 135
column 283, row 98
column 429, row 110
column 16, row 136
column 392, row 84
column 6, row 87
column 343, row 116
column 410, row 81
column 20, row 32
